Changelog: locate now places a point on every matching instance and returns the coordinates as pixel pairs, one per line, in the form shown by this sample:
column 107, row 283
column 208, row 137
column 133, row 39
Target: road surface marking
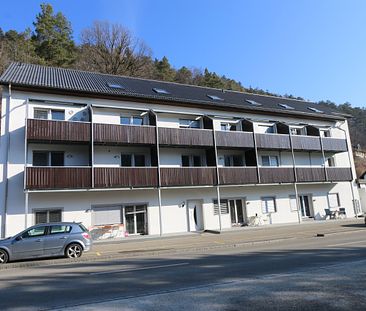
column 138, row 269
column 348, row 243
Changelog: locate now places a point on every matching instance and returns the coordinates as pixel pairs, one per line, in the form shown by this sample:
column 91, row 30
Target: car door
column 56, row 239
column 30, row 243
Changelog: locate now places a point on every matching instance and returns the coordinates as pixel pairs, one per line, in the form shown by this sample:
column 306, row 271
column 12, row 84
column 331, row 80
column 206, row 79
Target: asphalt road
column 317, row 273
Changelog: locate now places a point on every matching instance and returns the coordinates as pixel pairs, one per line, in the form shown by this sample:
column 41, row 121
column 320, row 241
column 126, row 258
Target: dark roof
column 83, row 82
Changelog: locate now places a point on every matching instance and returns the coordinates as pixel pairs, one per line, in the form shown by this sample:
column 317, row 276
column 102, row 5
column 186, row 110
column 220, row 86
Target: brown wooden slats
column 124, row 134
column 273, row 141
column 188, row 176
column 125, row 177
column 306, row 143
column 339, row 174
column 334, row 144
column 310, row 174
column 234, row 139
column 185, row 137
column 238, row 175
column 276, row 175
column 58, row 178
column 57, row 131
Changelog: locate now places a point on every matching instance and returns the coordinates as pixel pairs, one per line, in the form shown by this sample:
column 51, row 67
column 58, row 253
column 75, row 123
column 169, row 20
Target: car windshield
column 82, row 227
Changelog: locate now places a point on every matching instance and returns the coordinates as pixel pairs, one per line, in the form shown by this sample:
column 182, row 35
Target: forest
column 111, row 48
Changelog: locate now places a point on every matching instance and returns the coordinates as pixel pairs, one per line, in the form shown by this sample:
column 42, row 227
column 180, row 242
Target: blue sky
column 314, row 49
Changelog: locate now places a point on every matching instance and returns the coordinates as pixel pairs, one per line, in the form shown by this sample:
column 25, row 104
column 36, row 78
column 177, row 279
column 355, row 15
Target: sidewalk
column 200, row 242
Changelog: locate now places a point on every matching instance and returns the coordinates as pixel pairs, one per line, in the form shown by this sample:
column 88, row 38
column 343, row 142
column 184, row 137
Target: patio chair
column 329, row 213
column 342, row 212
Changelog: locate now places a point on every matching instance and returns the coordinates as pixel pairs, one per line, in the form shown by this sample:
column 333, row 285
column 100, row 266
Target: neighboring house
column 157, row 157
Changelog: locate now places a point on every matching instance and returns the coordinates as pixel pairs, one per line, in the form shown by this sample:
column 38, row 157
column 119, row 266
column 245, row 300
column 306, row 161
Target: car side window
column 60, row 229
column 34, row 232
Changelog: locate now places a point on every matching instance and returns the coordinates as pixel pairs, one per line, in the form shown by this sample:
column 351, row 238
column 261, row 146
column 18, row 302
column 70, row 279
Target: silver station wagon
column 67, row 239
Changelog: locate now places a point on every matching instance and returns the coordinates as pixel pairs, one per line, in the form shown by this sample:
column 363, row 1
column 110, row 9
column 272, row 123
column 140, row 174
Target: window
column 214, row 97
column 298, row 130
column 253, row 103
column 293, row 203
column 106, row 215
column 49, row 114
column 233, row 160
column 266, row 129
column 191, row 160
column 330, row 162
column 133, row 160
column 285, row 106
column 224, row 207
column 333, row 200
column 44, row 216
column 35, row 232
column 189, row 123
column 269, row 205
column 48, row 158
column 115, row 85
column 269, row 160
column 315, row 110
column 60, row 229
column 160, row 91
column 325, row 133
column 132, row 120
column 225, row 126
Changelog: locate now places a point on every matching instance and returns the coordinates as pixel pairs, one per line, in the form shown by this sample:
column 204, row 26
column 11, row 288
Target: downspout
column 256, row 155
column 159, row 175
column 92, row 144
column 6, row 162
column 217, row 176
column 295, row 183
column 26, row 199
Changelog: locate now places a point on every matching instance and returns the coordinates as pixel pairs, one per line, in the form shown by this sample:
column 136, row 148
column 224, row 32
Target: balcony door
column 135, row 219
column 237, row 211
column 306, row 206
column 195, row 215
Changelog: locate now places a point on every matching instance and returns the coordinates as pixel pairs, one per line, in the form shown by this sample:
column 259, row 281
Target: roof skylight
column 315, row 110
column 253, row 102
column 285, row 106
column 214, row 97
column 115, row 85
column 160, row 91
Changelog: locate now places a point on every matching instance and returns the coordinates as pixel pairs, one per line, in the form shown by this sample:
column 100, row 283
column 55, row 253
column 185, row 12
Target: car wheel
column 3, row 256
column 73, row 250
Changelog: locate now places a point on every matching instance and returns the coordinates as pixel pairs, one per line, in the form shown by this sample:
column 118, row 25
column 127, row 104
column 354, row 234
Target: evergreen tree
column 163, row 70
column 53, row 37
column 184, row 75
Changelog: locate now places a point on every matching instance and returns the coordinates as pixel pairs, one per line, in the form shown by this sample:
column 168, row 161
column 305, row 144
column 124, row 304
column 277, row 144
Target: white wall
column 111, row 156
column 172, row 157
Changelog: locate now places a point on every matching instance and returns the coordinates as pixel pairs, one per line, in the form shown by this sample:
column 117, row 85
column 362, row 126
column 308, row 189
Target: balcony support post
column 91, row 145
column 295, row 176
column 256, row 156
column 26, row 209
column 323, row 154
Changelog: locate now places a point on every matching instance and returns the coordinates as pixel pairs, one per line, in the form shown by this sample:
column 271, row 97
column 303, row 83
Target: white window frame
column 228, row 125
column 191, row 159
column 131, row 119
column 270, row 158
column 231, row 159
column 323, row 131
column 49, row 113
column 49, row 156
column 187, row 126
column 292, row 198
column 224, row 208
column 48, row 210
column 302, row 130
column 267, row 126
column 133, row 161
column 330, row 201
column 265, row 209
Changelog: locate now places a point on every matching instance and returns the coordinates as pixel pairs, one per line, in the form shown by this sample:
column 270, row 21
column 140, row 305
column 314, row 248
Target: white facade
column 18, row 206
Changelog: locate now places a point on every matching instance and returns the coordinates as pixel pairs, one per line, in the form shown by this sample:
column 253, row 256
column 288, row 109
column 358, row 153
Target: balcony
column 238, row 175
column 339, row 174
column 306, row 143
column 58, row 178
column 310, row 174
column 234, row 139
column 270, row 175
column 52, row 131
column 188, row 176
column 129, row 177
column 334, row 144
column 185, row 137
column 115, row 134
column 273, row 141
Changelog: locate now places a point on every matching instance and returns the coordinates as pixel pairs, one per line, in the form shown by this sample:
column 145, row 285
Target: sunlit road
column 318, row 273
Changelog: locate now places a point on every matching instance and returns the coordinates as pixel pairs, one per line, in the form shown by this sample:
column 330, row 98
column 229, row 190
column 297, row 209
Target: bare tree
column 111, row 48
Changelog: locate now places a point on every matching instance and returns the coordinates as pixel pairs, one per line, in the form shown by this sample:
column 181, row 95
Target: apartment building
column 161, row 158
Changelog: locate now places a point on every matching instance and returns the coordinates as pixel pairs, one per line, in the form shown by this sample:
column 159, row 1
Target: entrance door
column 305, row 206
column 237, row 211
column 195, row 216
column 136, row 219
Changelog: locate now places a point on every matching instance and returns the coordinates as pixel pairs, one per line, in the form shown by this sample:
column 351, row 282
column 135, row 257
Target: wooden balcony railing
column 57, row 131
column 238, row 175
column 187, row 176
column 58, row 178
column 310, row 174
column 234, row 139
column 306, row 143
column 119, row 177
column 273, row 141
column 185, row 137
column 334, row 144
column 276, row 175
column 116, row 134
column 339, row 173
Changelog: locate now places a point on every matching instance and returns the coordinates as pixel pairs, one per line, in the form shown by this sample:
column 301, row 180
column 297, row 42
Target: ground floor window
column 237, row 211
column 269, row 205
column 224, row 207
column 333, row 200
column 44, row 216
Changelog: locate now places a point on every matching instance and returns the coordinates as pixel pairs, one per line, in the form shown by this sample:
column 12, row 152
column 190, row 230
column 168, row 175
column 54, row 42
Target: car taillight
column 86, row 235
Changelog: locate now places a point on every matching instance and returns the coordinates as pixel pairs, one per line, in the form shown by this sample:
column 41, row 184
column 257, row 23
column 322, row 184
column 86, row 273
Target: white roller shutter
column 106, row 215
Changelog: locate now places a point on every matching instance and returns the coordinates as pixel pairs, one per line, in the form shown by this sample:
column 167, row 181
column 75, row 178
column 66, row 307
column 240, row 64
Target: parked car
column 67, row 239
